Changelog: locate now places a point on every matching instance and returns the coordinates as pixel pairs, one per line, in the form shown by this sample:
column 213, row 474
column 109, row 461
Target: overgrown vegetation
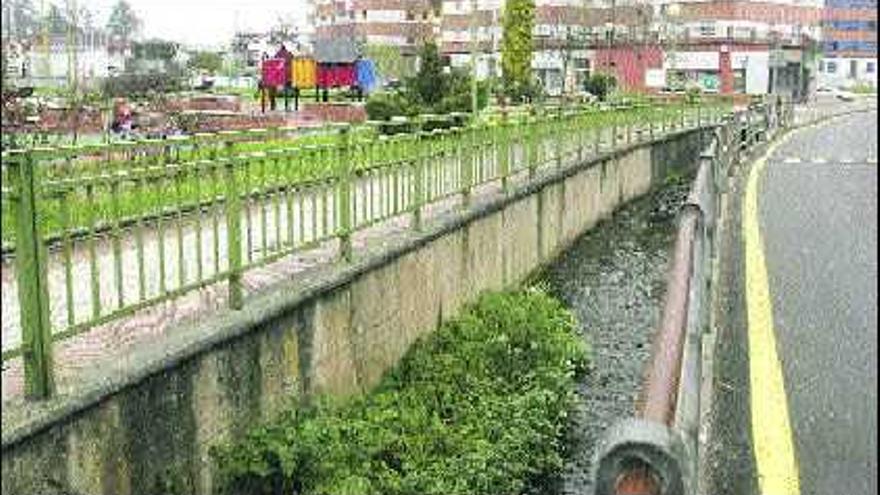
column 477, row 407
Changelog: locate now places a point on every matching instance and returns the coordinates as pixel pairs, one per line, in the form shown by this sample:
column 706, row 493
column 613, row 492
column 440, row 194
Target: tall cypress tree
column 516, row 47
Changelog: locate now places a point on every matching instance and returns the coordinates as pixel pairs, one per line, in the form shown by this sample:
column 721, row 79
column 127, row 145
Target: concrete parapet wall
column 335, row 331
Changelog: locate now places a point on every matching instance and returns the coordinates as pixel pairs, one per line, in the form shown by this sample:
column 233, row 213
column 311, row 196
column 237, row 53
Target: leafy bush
column 140, row 85
column 383, row 105
column 863, row 88
column 478, row 407
column 600, row 85
column 458, row 93
column 693, row 95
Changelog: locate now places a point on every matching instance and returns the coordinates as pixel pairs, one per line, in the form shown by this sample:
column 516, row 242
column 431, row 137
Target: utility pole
column 473, row 57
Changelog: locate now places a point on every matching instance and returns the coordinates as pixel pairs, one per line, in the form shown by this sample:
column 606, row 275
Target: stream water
column 613, row 279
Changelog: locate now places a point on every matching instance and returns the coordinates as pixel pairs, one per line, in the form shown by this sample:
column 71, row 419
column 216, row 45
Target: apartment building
column 742, row 46
column 95, row 56
column 849, row 43
column 404, row 24
column 728, row 46
column 565, row 36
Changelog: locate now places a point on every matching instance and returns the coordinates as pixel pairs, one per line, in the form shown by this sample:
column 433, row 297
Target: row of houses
column 721, row 45
column 97, row 56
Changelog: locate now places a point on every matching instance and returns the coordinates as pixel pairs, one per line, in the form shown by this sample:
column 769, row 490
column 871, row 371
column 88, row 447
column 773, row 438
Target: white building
column 847, row 72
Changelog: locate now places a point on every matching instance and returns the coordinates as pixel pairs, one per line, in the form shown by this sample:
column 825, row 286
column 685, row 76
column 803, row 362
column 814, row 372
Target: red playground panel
column 274, row 73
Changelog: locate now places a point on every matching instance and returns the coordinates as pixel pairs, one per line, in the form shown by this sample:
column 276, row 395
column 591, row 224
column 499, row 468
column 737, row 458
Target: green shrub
column 458, row 93
column 384, row 105
column 864, row 88
column 140, row 85
column 600, row 85
column 693, row 95
column 477, row 407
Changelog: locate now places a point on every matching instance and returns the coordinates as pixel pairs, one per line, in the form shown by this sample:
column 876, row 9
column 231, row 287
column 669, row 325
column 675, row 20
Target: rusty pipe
column 660, row 390
column 638, row 479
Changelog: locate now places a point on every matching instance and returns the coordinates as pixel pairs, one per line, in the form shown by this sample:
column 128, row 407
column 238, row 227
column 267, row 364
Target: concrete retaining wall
column 149, row 432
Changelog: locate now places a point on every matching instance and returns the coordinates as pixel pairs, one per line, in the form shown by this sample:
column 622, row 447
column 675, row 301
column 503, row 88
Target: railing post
column 233, row 233
column 613, row 128
column 30, row 267
column 628, row 122
column 468, row 152
column 531, row 131
column 504, row 151
column 558, row 136
column 419, row 162
column 344, row 212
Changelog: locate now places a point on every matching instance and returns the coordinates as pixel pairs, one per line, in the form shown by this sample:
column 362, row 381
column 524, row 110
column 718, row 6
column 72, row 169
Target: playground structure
column 334, row 65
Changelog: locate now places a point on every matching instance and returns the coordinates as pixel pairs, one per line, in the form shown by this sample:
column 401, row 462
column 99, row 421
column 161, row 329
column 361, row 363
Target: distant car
column 838, row 93
column 205, row 85
column 393, row 84
column 844, row 95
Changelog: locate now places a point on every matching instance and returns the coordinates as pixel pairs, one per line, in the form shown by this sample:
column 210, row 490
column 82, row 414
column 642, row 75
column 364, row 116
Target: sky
column 203, row 23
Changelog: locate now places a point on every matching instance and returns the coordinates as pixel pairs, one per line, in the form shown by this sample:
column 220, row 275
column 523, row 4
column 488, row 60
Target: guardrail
column 96, row 239
column 656, row 452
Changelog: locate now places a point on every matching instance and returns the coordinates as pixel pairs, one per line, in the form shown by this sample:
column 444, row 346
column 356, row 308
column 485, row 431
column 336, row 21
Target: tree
column 56, row 20
column 210, row 62
column 429, row 82
column 389, row 62
column 284, row 31
column 123, row 21
column 516, row 47
column 23, row 18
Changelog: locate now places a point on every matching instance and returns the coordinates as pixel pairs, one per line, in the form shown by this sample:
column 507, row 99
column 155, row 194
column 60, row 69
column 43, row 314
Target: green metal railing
column 100, row 232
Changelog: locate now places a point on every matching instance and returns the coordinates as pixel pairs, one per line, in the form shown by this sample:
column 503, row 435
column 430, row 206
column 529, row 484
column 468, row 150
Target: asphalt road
column 817, row 215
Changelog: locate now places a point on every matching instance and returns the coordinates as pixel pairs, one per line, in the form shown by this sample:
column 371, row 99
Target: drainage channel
column 613, row 279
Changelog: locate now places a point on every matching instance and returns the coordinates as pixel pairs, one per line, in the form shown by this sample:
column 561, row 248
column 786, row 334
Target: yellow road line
column 771, row 428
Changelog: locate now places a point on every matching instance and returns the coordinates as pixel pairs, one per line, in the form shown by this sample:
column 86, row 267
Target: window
column 831, row 67
column 707, row 29
column 739, row 81
column 821, row 66
column 869, row 67
column 410, row 16
column 853, row 68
